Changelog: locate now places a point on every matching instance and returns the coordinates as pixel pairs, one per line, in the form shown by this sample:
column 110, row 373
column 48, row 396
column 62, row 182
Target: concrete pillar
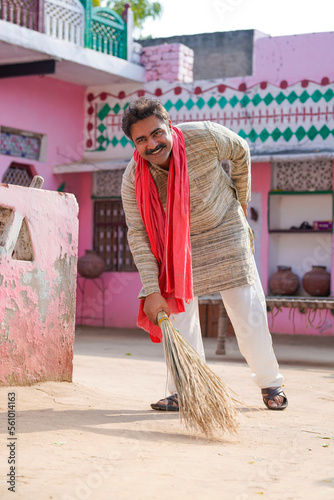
column 38, row 268
column 171, row 62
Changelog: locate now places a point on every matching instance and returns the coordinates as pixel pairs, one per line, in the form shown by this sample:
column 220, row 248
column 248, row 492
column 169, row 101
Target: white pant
column 246, row 308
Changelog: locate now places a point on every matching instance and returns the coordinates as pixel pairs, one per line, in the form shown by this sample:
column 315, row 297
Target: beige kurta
column 219, row 233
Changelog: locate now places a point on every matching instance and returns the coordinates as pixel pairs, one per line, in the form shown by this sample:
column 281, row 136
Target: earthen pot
column 284, row 281
column 91, row 265
column 317, row 282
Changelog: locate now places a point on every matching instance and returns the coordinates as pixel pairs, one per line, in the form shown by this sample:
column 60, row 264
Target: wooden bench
column 215, row 299
column 310, row 305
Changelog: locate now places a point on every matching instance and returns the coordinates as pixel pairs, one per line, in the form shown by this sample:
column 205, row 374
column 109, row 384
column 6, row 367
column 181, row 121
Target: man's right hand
column 155, row 303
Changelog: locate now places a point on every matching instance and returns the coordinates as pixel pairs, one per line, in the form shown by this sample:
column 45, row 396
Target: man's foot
column 167, row 404
column 274, row 398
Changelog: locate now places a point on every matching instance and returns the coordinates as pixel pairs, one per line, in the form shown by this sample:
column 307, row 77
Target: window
column 19, row 174
column 110, row 235
column 22, row 144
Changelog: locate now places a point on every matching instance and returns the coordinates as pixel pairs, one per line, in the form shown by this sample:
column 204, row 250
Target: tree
column 142, row 9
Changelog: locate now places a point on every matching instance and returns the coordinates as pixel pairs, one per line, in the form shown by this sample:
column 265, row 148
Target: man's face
column 153, row 140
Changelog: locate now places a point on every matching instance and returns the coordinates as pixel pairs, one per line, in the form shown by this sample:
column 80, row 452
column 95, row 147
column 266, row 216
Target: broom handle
column 161, row 316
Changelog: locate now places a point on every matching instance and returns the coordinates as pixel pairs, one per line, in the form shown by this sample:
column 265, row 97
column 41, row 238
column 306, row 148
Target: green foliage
column 96, row 3
column 142, row 9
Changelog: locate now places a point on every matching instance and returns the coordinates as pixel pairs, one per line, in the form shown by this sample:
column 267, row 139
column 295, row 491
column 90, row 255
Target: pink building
column 284, row 109
column 49, row 54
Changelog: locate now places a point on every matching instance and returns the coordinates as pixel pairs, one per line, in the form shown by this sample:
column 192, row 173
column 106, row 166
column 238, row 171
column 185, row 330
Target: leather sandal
column 167, row 407
column 269, row 394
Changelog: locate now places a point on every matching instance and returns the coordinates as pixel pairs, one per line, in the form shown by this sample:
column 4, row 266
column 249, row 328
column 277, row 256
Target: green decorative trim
column 287, row 134
column 262, row 116
column 105, row 142
column 103, row 113
column 245, row 101
column 253, row 136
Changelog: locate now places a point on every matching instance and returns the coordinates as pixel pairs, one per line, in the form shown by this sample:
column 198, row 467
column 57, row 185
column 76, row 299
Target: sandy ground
column 98, row 439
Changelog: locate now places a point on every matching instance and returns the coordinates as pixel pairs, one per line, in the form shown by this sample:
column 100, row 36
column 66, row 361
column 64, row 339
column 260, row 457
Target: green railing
column 107, row 32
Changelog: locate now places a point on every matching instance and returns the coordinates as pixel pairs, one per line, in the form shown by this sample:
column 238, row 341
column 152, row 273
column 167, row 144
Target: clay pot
column 91, row 265
column 317, row 282
column 284, row 281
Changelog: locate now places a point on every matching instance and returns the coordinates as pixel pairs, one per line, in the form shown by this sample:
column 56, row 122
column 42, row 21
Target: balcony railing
column 100, row 29
column 65, row 20
column 26, row 13
column 108, row 32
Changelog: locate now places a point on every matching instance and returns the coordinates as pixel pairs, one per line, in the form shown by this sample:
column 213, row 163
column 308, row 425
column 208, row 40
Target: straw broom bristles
column 204, row 402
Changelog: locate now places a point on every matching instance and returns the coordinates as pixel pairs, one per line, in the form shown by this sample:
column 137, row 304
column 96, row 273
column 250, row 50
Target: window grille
column 306, row 175
column 110, row 235
column 18, row 174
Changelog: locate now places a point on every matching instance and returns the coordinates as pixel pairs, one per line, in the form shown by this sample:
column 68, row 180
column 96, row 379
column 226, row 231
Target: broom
column 204, row 402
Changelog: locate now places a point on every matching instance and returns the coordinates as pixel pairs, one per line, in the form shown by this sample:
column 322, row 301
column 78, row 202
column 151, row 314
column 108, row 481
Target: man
column 189, row 236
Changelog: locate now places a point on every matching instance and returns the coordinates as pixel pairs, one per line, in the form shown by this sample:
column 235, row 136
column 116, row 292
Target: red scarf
column 169, row 234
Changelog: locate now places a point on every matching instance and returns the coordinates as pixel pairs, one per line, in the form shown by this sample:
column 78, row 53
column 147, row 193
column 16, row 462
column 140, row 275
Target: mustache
column 150, row 151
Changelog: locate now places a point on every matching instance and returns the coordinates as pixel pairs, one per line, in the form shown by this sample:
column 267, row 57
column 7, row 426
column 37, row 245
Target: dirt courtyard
column 98, row 439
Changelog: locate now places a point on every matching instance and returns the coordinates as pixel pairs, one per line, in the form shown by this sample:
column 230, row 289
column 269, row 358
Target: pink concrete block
column 164, row 48
column 38, row 268
column 151, row 76
column 175, row 46
column 169, row 73
column 186, row 68
column 148, row 50
column 188, row 52
column 155, row 57
column 170, row 55
column 167, row 62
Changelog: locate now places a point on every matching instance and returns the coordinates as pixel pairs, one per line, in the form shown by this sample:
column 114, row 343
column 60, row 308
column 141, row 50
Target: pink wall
column 47, row 106
column 38, row 287
column 81, row 186
column 292, row 59
column 121, row 302
column 294, row 322
column 332, row 267
column 278, row 61
column 261, row 179
column 172, row 62
column 287, row 321
column 121, row 289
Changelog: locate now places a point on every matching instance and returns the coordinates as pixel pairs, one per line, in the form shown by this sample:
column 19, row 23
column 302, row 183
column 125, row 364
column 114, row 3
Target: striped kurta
column 221, row 239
